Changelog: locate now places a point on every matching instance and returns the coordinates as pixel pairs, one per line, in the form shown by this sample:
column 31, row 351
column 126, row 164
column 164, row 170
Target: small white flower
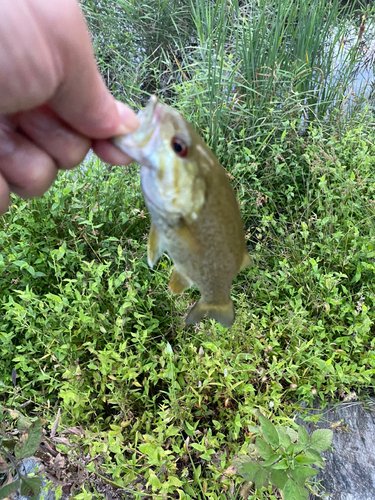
column 225, row 372
column 272, row 404
column 199, row 384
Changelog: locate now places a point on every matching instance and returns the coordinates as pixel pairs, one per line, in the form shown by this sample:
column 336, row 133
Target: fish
column 195, row 216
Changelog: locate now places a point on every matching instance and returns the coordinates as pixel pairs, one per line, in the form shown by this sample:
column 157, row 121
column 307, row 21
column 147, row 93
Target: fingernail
column 130, row 122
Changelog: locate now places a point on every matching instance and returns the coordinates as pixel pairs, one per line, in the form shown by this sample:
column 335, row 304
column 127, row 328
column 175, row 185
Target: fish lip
column 146, row 114
column 148, row 117
column 134, row 144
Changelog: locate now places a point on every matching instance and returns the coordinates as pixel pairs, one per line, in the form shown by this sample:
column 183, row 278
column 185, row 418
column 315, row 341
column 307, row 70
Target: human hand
column 54, row 104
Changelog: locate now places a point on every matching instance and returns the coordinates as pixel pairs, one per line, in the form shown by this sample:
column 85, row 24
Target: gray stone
column 349, row 472
column 28, row 466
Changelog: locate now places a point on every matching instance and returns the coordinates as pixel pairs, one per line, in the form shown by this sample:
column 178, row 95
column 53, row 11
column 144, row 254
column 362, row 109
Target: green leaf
column 290, row 449
column 197, row 472
column 305, row 460
column 252, row 450
column 253, row 428
column 189, row 429
column 8, row 489
column 261, row 478
column 31, row 270
column 199, row 447
column 248, row 470
column 146, row 448
column 314, row 456
column 174, row 481
column 304, row 493
column 300, row 474
column 283, row 465
column 210, row 345
column 303, row 435
column 291, row 433
column 19, row 263
column 321, row 439
column 264, row 449
column 270, row 461
column 31, row 486
column 23, row 423
column 268, row 430
column 207, row 455
column 279, row 478
column 154, row 481
column 291, row 491
column 189, row 490
column 30, row 441
column 297, row 448
column 285, row 440
column 58, row 492
column 172, row 431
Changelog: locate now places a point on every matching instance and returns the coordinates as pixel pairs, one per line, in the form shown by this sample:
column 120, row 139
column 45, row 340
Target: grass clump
column 240, row 68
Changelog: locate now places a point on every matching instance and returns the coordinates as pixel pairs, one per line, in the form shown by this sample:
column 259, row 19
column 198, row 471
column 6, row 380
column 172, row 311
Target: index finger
column 81, row 99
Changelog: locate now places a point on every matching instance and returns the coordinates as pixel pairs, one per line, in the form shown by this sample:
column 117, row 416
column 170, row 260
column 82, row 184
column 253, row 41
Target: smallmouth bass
column 194, row 212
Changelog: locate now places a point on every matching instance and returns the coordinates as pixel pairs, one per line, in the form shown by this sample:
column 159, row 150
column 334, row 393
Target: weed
column 282, row 456
column 16, row 443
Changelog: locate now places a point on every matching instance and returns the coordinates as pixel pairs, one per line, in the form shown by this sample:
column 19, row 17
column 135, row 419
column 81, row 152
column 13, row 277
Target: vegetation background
column 272, row 86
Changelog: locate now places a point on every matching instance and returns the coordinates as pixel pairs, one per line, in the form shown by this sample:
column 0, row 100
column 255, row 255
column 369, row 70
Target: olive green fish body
column 194, row 212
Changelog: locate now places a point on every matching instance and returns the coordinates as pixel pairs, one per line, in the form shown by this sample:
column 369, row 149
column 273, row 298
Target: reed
column 261, row 63
column 238, row 69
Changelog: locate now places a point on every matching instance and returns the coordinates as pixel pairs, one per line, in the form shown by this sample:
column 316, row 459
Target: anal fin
column 178, row 283
column 223, row 313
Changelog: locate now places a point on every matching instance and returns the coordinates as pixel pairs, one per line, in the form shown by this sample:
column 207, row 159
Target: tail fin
column 223, row 314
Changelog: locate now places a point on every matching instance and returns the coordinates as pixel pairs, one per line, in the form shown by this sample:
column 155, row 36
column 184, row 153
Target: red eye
column 179, row 147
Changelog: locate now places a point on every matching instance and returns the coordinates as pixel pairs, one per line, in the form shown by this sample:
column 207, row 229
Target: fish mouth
column 149, row 118
column 146, row 114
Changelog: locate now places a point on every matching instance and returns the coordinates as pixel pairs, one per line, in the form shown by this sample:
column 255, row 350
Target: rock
column 30, row 465
column 349, row 472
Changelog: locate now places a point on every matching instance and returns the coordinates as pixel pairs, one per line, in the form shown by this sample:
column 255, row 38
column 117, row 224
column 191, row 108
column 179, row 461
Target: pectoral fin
column 223, row 314
column 178, row 283
column 154, row 246
column 186, row 235
column 246, row 261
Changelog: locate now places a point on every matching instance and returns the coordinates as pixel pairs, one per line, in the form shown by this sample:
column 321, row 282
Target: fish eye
column 179, row 147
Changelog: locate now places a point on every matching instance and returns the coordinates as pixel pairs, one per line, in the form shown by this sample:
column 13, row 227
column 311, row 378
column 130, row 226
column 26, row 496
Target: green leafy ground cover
column 89, row 328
